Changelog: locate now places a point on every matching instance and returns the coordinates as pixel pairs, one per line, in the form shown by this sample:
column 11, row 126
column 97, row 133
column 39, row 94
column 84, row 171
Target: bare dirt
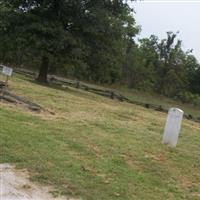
column 15, row 185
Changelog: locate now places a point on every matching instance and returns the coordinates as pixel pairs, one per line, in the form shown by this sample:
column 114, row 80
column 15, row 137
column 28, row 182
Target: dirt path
column 15, row 185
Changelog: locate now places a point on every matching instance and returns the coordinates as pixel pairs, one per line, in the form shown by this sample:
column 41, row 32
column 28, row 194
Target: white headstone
column 7, row 71
column 172, row 127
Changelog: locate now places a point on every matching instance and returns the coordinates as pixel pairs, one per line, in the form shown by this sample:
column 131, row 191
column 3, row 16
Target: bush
column 188, row 97
column 196, row 101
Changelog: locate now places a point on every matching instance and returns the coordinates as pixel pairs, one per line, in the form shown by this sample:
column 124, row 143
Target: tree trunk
column 125, row 67
column 42, row 77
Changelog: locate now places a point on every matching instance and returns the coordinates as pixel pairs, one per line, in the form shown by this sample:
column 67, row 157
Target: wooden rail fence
column 97, row 90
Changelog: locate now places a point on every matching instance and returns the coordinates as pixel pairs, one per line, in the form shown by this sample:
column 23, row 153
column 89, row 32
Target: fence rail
column 98, row 90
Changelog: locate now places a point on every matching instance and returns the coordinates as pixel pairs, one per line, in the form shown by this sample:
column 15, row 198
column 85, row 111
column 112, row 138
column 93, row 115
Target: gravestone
column 172, row 127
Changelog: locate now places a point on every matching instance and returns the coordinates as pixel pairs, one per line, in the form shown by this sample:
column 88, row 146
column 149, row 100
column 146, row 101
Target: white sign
column 172, row 127
column 7, row 71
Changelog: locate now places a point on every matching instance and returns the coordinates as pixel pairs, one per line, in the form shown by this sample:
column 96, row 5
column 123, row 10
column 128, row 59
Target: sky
column 159, row 16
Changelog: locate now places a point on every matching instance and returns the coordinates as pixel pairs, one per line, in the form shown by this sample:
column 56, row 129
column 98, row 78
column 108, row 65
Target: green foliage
column 193, row 71
column 162, row 66
column 94, row 40
column 188, row 97
column 196, row 100
column 89, row 33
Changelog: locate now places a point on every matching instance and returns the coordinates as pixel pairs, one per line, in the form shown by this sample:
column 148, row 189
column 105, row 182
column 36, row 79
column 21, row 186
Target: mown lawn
column 152, row 98
column 96, row 148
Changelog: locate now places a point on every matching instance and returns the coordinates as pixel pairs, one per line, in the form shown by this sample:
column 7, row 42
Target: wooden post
column 6, row 82
column 7, row 71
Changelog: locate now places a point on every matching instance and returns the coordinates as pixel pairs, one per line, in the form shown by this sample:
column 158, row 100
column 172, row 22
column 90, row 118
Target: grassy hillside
column 96, row 148
column 156, row 99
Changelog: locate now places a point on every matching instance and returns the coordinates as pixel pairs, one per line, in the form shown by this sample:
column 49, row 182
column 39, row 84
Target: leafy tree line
column 84, row 38
column 94, row 40
column 163, row 67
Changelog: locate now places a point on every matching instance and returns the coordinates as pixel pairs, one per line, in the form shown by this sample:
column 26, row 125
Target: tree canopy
column 89, row 36
column 95, row 41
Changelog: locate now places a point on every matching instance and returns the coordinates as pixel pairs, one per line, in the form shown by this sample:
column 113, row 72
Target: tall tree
column 193, row 73
column 72, row 31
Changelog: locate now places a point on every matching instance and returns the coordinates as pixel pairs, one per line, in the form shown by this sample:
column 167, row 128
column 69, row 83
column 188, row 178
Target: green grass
column 96, row 148
column 156, row 99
